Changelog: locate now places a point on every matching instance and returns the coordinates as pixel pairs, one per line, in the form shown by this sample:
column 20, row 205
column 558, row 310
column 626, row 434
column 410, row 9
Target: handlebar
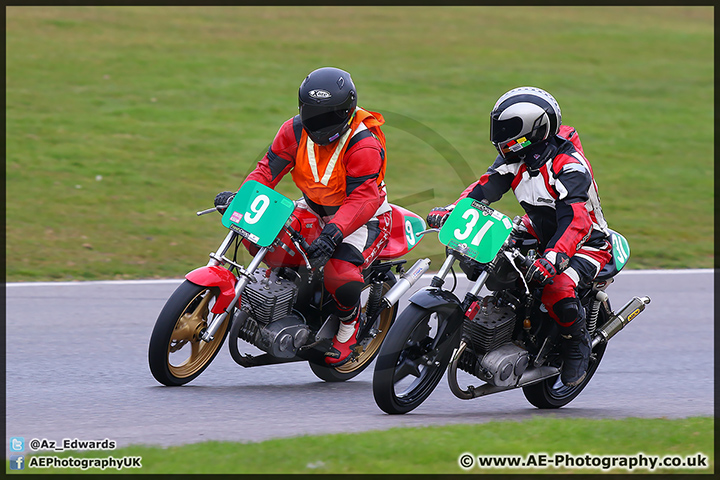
column 418, row 234
column 523, row 261
column 297, row 237
column 205, row 212
column 294, row 234
column 300, row 243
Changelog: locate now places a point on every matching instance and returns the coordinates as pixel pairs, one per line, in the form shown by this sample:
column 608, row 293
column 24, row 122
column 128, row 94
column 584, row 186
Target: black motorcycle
column 506, row 339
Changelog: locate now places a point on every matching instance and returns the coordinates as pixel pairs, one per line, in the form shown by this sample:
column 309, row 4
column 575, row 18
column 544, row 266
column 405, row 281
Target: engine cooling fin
column 491, row 327
column 269, row 298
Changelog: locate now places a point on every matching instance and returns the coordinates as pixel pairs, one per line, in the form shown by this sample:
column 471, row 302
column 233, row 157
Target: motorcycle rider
column 543, row 162
column 335, row 152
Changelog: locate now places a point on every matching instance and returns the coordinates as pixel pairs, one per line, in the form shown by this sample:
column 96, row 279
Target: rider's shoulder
column 290, row 130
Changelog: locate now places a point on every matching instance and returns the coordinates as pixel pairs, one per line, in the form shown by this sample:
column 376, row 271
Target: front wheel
column 371, row 348
column 412, row 361
column 176, row 353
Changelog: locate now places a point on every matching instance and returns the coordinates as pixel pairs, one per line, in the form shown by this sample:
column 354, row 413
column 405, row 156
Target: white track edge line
column 426, row 276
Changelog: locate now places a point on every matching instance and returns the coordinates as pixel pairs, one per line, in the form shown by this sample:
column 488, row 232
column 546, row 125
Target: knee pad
column 569, row 312
column 347, row 296
column 344, row 282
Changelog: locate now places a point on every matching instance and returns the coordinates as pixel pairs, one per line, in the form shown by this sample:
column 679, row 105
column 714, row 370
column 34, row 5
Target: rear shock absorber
column 374, row 302
column 594, row 313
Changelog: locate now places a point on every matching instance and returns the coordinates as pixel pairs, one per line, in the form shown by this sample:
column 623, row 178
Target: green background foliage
column 121, row 122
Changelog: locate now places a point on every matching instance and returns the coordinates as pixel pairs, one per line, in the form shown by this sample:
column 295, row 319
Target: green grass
column 430, row 449
column 121, row 122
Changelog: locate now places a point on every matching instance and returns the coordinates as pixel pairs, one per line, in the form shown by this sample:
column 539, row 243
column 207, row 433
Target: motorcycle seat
column 397, row 246
column 610, row 269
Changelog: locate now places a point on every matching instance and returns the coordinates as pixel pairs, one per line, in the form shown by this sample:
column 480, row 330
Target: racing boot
column 576, row 348
column 345, row 341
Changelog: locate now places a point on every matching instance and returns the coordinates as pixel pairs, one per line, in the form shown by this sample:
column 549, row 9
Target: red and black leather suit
column 560, row 198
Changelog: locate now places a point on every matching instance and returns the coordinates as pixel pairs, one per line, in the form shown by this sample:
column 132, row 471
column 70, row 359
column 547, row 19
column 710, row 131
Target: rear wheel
column 552, row 393
column 370, row 349
column 411, row 363
column 176, row 353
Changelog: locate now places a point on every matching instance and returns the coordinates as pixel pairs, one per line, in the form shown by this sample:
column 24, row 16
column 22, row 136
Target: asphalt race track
column 77, row 368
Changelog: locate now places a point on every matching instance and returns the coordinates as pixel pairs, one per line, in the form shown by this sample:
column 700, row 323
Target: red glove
column 437, row 216
column 541, row 271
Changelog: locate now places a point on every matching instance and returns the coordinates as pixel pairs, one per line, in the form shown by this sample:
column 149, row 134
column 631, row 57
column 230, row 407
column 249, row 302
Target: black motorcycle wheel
column 408, row 369
column 176, row 354
column 551, row 393
column 355, row 367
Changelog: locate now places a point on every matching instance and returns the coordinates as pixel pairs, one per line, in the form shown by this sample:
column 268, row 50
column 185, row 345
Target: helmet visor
column 319, row 119
column 503, row 130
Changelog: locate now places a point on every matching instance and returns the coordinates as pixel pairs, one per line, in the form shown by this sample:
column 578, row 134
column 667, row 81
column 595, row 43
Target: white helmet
column 522, row 117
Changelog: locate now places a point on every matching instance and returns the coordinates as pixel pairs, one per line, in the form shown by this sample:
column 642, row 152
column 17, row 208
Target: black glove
column 322, row 248
column 437, row 216
column 222, row 200
column 541, row 272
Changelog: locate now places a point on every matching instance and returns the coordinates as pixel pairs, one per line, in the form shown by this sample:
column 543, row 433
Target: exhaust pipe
column 405, row 282
column 529, row 376
column 619, row 320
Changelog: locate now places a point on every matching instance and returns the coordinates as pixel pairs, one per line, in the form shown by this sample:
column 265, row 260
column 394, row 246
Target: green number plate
column 258, row 213
column 475, row 230
column 413, row 225
column 621, row 250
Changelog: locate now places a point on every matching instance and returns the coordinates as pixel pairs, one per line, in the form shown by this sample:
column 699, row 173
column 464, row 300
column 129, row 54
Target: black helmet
column 327, row 101
column 522, row 117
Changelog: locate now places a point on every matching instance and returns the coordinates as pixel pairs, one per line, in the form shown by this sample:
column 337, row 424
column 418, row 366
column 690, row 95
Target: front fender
column 437, row 300
column 215, row 276
column 448, row 308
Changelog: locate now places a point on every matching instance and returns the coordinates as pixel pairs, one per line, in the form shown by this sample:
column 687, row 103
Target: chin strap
column 537, row 160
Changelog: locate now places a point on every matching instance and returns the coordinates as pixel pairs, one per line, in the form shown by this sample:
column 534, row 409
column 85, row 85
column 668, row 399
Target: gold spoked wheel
column 177, row 354
column 382, row 324
column 366, row 354
column 186, row 336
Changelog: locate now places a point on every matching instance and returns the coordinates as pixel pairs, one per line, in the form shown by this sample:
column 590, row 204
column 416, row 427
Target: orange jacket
column 319, row 171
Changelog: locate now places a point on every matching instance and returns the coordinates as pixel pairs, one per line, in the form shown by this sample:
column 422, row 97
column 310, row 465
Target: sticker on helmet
column 515, row 145
column 319, row 94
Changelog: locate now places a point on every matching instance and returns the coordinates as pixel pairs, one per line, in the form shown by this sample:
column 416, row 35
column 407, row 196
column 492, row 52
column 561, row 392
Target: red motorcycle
column 283, row 309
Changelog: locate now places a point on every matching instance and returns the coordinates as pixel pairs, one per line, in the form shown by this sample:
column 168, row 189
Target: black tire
column 401, row 356
column 176, row 331
column 355, row 367
column 551, row 393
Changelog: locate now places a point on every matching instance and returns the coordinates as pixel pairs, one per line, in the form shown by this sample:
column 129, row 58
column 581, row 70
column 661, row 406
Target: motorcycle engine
column 269, row 297
column 492, row 355
column 271, row 325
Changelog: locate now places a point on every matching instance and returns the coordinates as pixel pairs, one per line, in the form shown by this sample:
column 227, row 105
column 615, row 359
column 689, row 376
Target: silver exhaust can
column 406, row 281
column 619, row 320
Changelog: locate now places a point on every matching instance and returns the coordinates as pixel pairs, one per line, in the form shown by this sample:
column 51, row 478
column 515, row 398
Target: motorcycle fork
column 244, row 278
